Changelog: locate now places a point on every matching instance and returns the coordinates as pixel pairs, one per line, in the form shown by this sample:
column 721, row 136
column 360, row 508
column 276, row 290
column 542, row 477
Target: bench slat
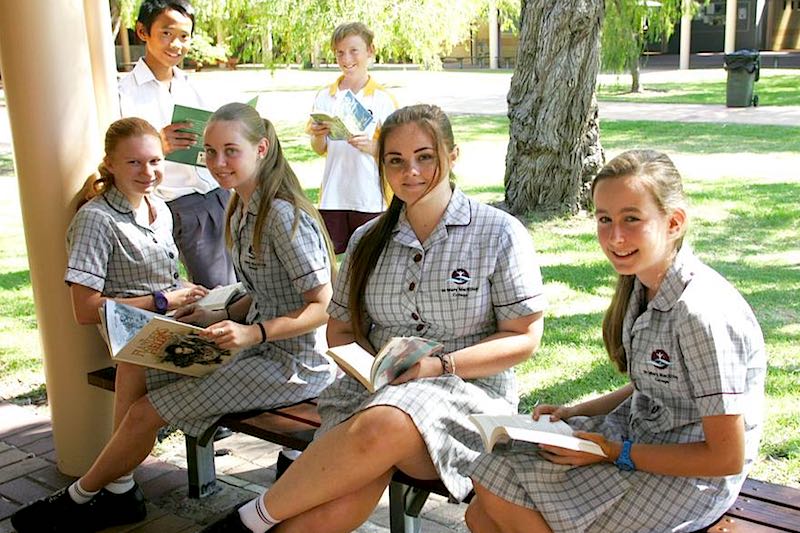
column 729, row 524
column 766, row 512
column 763, row 490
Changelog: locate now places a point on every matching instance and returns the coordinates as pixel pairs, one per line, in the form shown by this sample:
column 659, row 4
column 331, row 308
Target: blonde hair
column 275, row 178
column 657, row 173
column 120, row 130
column 433, row 121
column 347, row 29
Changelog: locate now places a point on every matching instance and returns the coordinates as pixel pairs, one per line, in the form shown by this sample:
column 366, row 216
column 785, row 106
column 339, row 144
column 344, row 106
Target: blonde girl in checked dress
column 680, row 437
column 439, row 265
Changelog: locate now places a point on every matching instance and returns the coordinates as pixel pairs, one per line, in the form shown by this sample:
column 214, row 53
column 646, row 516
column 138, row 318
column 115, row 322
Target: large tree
column 554, row 146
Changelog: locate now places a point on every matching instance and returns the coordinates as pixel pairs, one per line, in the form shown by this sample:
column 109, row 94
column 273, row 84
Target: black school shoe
column 59, row 514
column 230, row 524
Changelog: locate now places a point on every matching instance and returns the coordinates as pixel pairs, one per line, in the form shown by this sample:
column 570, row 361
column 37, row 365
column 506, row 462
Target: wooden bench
column 760, row 508
column 291, row 426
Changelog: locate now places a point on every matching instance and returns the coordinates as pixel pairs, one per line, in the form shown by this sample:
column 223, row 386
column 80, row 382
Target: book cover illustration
column 349, row 118
column 397, row 356
column 148, row 339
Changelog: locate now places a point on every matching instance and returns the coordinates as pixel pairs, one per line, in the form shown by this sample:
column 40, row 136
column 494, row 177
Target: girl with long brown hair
column 678, row 439
column 439, row 265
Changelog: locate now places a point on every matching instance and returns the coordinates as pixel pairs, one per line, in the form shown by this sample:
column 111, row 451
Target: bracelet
column 263, row 332
column 448, row 363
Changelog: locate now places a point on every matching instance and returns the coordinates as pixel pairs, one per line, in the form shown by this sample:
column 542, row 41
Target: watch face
column 160, row 301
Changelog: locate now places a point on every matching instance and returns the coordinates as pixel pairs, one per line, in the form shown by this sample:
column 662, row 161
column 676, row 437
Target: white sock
column 291, row 453
column 79, row 494
column 121, row 485
column 255, row 517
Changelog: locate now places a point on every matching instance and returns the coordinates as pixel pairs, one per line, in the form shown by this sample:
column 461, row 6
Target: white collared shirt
column 142, row 95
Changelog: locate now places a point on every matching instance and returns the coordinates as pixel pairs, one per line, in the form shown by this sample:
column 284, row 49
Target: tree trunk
column 636, row 84
column 553, row 125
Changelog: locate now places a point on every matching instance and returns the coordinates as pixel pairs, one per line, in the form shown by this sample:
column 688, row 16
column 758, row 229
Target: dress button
column 256, row 305
column 420, row 327
column 415, row 316
column 175, row 275
column 155, row 240
column 412, row 286
column 171, row 255
column 418, row 258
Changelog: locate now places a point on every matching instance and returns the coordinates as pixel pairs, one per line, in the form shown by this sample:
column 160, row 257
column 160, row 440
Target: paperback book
column 375, row 371
column 503, row 429
column 350, row 118
column 148, row 339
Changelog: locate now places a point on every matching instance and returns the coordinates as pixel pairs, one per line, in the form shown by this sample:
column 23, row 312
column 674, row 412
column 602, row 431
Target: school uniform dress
column 278, row 372
column 193, row 196
column 695, row 350
column 110, row 252
column 478, row 266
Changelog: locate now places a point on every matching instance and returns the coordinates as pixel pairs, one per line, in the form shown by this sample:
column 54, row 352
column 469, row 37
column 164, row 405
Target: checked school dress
column 108, row 251
column 477, row 267
column 279, row 372
column 695, row 350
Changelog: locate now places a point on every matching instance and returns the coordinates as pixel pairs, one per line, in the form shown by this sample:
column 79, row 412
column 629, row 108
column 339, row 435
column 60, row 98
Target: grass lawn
column 772, row 90
column 746, row 228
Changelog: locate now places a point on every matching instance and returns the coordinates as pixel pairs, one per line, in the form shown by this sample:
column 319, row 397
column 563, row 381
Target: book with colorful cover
column 349, row 118
column 148, row 339
column 503, row 429
column 375, row 371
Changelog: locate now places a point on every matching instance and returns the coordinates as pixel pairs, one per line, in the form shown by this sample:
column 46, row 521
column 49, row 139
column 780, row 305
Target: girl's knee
column 143, row 415
column 382, row 426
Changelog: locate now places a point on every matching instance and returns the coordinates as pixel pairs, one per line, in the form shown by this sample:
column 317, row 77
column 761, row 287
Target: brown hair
column 347, row 29
column 118, row 131
column 659, row 176
column 275, row 178
column 365, row 256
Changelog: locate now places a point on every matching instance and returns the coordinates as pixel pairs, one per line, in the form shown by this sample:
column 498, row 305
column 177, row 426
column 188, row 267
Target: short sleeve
column 303, row 252
column 721, row 352
column 517, row 288
column 89, row 249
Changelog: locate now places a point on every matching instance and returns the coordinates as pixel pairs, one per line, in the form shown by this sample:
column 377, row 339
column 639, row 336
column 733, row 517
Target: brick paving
column 28, row 472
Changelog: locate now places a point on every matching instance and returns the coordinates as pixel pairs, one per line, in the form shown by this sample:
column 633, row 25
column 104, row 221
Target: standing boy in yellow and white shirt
column 351, row 194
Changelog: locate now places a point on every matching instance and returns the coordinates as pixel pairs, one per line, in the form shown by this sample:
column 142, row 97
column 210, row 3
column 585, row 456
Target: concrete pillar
column 493, row 35
column 47, row 73
column 104, row 64
column 686, row 34
column 730, row 26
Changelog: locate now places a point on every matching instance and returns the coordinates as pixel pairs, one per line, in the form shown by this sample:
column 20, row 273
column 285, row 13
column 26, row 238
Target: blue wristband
column 624, row 461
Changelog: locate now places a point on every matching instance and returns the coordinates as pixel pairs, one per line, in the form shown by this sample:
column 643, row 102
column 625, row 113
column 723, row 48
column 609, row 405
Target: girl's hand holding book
column 556, row 412
column 427, row 367
column 184, row 296
column 563, row 456
column 230, row 335
column 198, row 315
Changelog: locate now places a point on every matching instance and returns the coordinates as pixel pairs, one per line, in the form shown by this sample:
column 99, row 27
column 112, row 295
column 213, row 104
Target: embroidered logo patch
column 459, row 276
column 660, row 359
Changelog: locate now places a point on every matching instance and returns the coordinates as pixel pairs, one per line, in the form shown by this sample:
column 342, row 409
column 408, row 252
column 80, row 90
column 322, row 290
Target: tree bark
column 554, row 145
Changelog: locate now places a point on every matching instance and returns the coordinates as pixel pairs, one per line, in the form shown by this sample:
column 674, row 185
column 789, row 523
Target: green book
column 194, row 155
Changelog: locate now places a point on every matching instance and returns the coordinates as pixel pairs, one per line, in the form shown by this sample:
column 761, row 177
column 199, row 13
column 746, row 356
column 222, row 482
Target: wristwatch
column 624, row 461
column 160, row 301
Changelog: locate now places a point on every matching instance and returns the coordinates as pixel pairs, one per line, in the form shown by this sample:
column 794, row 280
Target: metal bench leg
column 200, row 467
column 405, row 504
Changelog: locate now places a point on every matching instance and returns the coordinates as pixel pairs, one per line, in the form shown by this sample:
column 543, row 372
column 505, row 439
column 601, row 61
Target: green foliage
column 297, row 30
column 630, row 24
column 202, row 51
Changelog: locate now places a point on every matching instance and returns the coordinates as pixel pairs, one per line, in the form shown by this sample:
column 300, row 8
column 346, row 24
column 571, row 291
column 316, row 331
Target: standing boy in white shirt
column 350, row 194
column 150, row 92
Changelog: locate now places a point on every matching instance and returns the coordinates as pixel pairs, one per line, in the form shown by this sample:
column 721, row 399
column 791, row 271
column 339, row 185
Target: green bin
column 743, row 68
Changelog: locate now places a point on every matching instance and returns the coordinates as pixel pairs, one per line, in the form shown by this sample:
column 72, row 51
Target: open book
column 196, row 154
column 399, row 354
column 350, row 118
column 496, row 429
column 145, row 338
column 221, row 297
